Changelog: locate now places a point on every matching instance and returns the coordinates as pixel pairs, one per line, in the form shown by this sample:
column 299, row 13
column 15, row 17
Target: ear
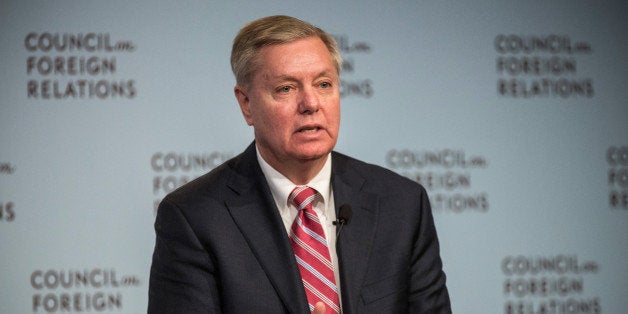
column 244, row 102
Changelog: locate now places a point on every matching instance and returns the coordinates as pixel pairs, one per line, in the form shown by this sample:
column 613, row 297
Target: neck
column 300, row 172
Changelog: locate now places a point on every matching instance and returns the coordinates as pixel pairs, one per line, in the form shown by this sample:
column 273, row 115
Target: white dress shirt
column 323, row 205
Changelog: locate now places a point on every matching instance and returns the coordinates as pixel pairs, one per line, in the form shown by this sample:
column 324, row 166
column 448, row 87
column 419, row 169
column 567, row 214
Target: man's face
column 293, row 102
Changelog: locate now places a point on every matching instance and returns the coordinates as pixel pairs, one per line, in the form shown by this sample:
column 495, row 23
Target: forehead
column 300, row 57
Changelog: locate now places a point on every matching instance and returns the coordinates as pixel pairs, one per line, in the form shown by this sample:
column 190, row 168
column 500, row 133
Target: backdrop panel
column 512, row 114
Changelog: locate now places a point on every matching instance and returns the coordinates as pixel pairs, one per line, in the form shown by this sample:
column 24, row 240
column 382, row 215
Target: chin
column 312, row 150
column 313, row 154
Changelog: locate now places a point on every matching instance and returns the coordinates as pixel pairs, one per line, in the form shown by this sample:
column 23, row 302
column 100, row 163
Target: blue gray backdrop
column 513, row 114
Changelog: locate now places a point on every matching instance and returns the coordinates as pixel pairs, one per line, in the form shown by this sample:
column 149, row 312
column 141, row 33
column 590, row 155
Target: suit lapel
column 356, row 238
column 257, row 217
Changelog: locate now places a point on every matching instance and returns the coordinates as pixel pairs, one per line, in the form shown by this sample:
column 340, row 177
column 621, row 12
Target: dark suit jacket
column 222, row 247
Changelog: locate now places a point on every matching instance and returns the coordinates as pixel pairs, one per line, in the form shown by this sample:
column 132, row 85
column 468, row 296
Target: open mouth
column 309, row 130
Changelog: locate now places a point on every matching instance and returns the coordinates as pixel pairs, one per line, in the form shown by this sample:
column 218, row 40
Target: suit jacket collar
column 255, row 213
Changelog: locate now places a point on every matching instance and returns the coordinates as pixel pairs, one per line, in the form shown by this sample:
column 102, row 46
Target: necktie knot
column 302, row 197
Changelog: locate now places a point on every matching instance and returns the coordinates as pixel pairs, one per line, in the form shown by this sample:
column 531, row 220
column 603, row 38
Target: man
column 262, row 233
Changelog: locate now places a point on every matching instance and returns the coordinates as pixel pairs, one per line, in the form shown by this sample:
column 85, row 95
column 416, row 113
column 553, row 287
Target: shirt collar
column 280, row 186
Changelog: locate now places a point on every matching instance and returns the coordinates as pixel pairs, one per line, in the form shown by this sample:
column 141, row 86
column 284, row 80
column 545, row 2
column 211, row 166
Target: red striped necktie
column 310, row 249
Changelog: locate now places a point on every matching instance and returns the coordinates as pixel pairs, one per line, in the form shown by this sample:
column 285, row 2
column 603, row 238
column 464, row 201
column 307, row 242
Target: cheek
column 274, row 122
column 334, row 117
column 262, row 114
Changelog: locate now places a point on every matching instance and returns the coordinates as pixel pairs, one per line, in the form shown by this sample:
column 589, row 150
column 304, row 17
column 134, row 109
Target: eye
column 325, row 85
column 284, row 89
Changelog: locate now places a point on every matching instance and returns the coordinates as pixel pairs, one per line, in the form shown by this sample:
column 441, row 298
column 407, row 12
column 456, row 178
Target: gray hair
column 273, row 30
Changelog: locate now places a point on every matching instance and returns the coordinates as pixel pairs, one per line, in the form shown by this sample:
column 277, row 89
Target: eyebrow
column 285, row 77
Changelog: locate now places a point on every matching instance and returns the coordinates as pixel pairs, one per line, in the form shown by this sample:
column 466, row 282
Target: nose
column 308, row 101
